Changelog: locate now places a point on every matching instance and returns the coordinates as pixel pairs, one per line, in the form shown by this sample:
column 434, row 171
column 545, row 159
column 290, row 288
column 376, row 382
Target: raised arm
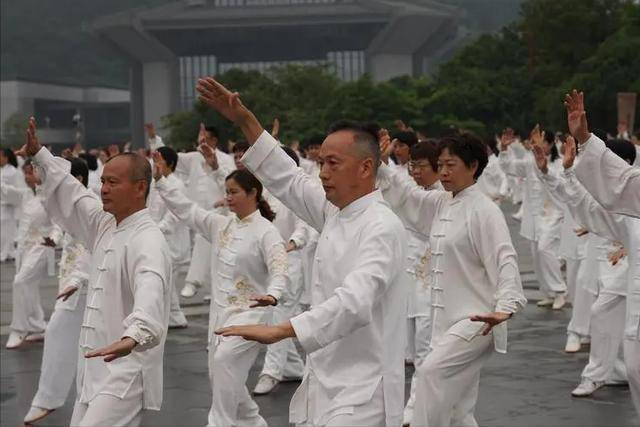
column 414, row 205
column 609, row 179
column 69, row 203
column 278, row 173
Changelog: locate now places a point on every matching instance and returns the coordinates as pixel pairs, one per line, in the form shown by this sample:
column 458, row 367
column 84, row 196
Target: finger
column 97, row 353
column 487, row 329
column 479, row 318
column 112, row 356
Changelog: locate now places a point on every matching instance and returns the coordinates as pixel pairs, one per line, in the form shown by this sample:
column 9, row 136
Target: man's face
column 454, row 174
column 312, row 152
column 341, row 168
column 210, row 140
column 237, row 155
column 422, row 172
column 3, row 159
column 118, row 189
column 401, row 150
column 31, row 176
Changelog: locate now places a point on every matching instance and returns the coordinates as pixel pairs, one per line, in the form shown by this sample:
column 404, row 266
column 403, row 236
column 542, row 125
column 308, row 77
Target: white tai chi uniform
column 128, row 296
column 475, row 270
column 541, row 222
column 356, row 326
column 155, row 143
column 613, row 182
column 177, row 235
column 282, row 358
column 205, row 187
column 586, row 210
column 493, row 181
column 249, row 259
column 34, row 261
column 8, row 212
column 60, row 353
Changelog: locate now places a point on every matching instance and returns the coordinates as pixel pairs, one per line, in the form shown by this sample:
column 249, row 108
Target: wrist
column 250, row 127
column 583, row 137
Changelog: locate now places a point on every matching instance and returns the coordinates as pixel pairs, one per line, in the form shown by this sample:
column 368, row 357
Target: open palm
column 577, row 116
column 221, row 99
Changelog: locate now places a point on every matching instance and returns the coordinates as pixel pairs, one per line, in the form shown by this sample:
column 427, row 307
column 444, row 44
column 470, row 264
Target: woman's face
column 455, row 176
column 239, row 201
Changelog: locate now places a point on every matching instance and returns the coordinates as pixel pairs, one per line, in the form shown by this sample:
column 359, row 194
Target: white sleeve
column 202, row 221
column 414, row 205
column 611, row 181
column 74, row 207
column 511, row 165
column 275, row 255
column 287, row 182
column 379, row 261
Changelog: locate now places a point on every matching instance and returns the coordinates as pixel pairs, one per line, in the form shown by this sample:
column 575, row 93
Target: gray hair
column 140, row 169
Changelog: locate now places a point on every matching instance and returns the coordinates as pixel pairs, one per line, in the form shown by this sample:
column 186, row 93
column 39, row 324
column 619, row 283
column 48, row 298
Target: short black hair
column 291, row 154
column 365, row 137
column 92, row 161
column 492, row 144
column 406, row 137
column 240, row 146
column 469, row 148
column 11, row 157
column 623, row 148
column 426, row 150
column 314, row 140
column 170, row 156
column 80, row 168
column 213, row 131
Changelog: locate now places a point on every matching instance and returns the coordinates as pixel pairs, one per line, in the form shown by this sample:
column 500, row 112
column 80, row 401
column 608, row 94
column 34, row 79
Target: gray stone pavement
column 529, row 386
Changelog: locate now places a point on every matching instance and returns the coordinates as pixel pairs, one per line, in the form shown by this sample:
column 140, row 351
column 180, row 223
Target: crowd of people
column 367, row 249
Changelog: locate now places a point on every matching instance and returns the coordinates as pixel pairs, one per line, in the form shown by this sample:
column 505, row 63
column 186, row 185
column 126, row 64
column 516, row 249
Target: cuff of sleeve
column 259, row 151
column 276, row 291
column 135, row 333
column 305, row 332
column 298, row 241
column 162, row 183
column 43, row 156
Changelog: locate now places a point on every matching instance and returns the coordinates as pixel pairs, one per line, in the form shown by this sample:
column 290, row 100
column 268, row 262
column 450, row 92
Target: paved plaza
column 529, row 386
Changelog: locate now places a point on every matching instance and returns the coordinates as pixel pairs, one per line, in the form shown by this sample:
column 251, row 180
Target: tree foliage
column 516, row 77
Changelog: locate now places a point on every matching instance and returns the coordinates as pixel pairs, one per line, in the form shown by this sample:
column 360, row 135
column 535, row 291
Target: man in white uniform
column 355, row 373
column 127, row 312
column 8, row 224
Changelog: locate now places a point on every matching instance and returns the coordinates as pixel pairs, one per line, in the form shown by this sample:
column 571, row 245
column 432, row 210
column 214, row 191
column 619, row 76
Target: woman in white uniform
column 475, row 279
column 249, row 264
column 8, row 222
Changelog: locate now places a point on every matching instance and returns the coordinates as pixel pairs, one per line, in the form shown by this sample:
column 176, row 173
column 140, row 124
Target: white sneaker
column 189, row 290
column 34, row 337
column 266, row 384
column 559, row 301
column 545, row 302
column 573, row 343
column 36, row 414
column 16, row 339
column 586, row 388
column 407, row 415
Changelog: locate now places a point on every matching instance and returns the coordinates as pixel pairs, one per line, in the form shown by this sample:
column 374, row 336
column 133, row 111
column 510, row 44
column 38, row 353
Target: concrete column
column 161, row 85
column 137, row 105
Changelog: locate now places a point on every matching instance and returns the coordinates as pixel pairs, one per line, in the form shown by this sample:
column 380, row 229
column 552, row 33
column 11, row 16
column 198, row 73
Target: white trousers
column 370, row 414
column 420, row 329
column 60, row 356
column 109, row 410
column 282, row 358
column 573, row 266
column 447, row 381
column 27, row 314
column 176, row 316
column 8, row 229
column 199, row 272
column 230, row 360
column 581, row 311
column 607, row 329
column 632, row 362
column 546, row 265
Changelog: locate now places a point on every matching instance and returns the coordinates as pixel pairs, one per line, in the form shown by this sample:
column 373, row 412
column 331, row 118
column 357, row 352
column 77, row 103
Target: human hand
column 49, row 242
column 160, row 167
column 490, row 319
column 67, row 292
column 386, row 145
column 114, row 351
column 577, row 116
column 32, row 145
column 264, row 334
column 541, row 159
column 617, row 255
column 262, row 301
column 209, row 155
column 569, row 157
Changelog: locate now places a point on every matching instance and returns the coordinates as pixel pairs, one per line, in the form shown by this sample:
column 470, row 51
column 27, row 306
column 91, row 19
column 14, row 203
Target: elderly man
column 127, row 310
column 352, row 334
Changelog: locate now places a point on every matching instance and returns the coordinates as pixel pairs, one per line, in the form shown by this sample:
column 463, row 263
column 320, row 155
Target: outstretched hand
column 262, row 301
column 577, row 116
column 32, row 145
column 541, row 158
column 490, row 319
column 114, row 351
column 160, row 167
column 569, row 157
column 386, row 145
column 67, row 292
column 536, row 136
column 264, row 334
column 209, row 155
